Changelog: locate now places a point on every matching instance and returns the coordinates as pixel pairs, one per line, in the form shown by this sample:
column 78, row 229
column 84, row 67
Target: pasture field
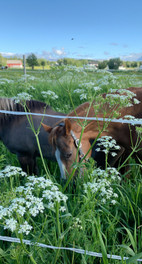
column 102, row 212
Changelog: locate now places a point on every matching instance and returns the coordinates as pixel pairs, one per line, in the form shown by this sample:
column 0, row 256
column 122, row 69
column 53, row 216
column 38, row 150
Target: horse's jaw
column 60, row 163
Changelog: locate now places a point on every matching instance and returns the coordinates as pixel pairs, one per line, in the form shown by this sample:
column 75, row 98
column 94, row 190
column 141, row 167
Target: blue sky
column 101, row 29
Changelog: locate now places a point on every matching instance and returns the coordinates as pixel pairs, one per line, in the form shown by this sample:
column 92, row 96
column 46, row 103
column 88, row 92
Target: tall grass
column 86, row 222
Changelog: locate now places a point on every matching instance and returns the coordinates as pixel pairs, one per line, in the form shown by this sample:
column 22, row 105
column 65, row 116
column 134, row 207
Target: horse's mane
column 9, row 104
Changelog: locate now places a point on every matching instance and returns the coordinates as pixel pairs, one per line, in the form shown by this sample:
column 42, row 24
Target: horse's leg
column 28, row 164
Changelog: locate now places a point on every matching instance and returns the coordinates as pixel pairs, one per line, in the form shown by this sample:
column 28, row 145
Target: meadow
column 101, row 213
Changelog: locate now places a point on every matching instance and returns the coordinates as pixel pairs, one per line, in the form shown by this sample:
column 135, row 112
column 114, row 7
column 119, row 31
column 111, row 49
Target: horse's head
column 65, row 143
column 64, row 139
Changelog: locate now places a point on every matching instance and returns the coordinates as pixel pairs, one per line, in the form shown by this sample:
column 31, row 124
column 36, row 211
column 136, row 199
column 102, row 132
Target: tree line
column 112, row 64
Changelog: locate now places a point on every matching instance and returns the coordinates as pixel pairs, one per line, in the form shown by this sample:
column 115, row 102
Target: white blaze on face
column 60, row 163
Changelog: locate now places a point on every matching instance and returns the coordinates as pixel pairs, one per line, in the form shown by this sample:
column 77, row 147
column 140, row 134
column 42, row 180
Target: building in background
column 14, row 64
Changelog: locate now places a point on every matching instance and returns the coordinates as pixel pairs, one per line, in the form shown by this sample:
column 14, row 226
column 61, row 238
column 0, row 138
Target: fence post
column 24, row 64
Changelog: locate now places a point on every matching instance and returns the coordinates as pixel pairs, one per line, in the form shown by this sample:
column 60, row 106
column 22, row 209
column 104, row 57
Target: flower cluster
column 27, row 76
column 49, row 93
column 107, row 145
column 122, row 96
column 11, row 171
column 87, row 90
column 30, row 201
column 74, row 69
column 4, row 80
column 101, row 186
column 31, row 88
column 133, row 119
column 77, row 223
column 22, row 97
column 49, row 191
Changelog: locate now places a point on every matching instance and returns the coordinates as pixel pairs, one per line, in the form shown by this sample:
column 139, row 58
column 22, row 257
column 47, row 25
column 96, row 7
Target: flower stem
column 27, row 252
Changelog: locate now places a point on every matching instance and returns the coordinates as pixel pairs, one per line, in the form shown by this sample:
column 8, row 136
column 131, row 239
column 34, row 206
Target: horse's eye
column 67, row 155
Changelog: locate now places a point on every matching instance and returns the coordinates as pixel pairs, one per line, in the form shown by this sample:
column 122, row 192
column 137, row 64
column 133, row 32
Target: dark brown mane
column 9, row 104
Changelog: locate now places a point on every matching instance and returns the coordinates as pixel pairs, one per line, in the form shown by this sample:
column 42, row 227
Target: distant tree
column 60, row 62
column 43, row 63
column 134, row 64
column 128, row 64
column 102, row 64
column 71, row 61
column 114, row 64
column 66, row 61
column 0, row 60
column 32, row 60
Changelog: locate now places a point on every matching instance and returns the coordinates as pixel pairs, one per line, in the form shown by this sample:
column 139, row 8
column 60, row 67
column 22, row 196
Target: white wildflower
column 100, row 187
column 3, row 212
column 129, row 117
column 62, row 208
column 78, row 91
column 113, row 154
column 83, row 96
column 25, row 228
column 46, row 94
column 136, row 101
column 113, row 202
column 107, row 144
column 10, row 224
column 34, row 211
column 21, row 210
column 22, row 97
column 96, row 88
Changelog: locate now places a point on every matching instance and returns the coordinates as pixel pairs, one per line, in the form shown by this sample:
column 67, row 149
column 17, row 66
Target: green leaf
column 128, row 250
column 133, row 260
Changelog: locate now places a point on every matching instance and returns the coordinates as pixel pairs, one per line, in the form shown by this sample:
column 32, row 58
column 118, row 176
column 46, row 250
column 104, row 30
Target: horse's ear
column 67, row 126
column 47, row 128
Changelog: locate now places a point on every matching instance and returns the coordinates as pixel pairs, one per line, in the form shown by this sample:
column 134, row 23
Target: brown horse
column 17, row 136
column 63, row 135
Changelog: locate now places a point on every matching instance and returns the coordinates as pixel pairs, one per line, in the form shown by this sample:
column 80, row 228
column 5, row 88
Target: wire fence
column 120, row 120
column 76, row 250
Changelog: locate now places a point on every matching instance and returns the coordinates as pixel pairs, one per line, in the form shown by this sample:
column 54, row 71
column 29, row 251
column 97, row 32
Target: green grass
column 87, row 223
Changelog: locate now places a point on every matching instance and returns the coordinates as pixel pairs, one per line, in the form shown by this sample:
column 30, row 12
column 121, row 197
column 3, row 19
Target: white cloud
column 132, row 57
column 7, row 54
column 54, row 54
column 59, row 52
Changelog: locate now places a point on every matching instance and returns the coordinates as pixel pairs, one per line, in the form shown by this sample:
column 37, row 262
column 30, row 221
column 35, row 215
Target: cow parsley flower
column 101, row 185
column 136, row 101
column 83, row 96
column 9, row 171
column 11, row 224
column 27, row 204
column 77, row 223
column 3, row 212
column 21, row 210
column 52, row 95
column 22, row 97
column 78, row 91
column 25, row 228
column 107, row 145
